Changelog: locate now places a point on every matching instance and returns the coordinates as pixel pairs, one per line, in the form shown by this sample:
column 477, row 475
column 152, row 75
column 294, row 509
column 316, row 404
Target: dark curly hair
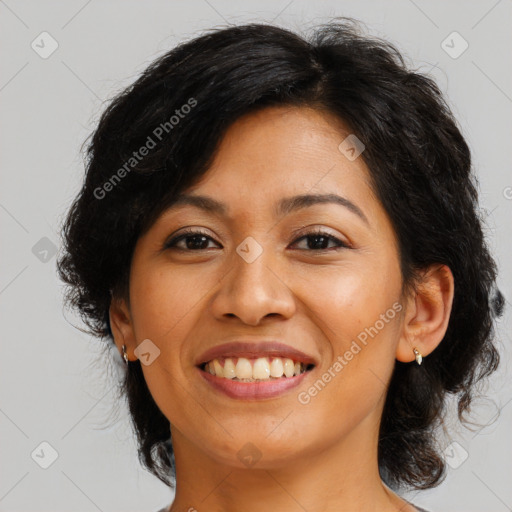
column 420, row 166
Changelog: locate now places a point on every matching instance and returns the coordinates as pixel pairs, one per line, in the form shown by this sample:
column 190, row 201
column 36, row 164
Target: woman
column 281, row 237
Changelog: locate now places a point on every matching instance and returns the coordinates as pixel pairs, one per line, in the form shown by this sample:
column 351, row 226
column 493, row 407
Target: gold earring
column 418, row 356
column 125, row 355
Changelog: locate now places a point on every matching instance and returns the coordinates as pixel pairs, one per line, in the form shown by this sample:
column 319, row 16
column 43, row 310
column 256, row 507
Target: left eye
column 320, row 239
column 201, row 240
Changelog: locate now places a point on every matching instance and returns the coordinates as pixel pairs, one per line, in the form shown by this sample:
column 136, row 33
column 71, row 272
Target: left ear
column 427, row 313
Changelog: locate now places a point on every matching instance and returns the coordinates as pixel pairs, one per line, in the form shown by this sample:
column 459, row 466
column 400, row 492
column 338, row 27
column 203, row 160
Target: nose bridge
column 252, row 263
column 252, row 289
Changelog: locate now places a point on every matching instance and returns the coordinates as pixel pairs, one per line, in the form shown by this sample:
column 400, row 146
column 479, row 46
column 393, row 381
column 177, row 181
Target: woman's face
column 257, row 276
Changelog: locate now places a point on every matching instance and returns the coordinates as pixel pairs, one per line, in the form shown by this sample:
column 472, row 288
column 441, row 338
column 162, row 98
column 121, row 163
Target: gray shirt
column 419, row 509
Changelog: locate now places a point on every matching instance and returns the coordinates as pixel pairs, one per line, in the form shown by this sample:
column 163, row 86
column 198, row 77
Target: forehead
column 280, row 152
column 277, row 161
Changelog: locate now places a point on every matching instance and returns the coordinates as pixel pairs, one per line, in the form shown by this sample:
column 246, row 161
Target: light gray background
column 52, row 388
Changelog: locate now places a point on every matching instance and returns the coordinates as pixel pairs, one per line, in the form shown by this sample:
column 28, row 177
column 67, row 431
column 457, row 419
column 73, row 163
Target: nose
column 253, row 291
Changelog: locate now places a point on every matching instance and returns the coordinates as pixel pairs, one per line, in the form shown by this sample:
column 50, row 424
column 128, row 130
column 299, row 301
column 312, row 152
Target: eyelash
column 190, row 233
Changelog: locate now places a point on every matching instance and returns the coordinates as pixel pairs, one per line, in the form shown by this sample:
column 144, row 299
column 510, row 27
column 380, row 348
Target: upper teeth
column 261, row 368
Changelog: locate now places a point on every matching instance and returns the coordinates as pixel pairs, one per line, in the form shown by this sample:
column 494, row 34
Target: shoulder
column 419, row 509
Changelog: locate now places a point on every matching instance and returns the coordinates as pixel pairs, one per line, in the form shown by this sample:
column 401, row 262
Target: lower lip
column 253, row 390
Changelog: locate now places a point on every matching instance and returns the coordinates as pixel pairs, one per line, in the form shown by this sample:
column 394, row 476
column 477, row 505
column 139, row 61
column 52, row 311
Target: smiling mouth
column 244, row 369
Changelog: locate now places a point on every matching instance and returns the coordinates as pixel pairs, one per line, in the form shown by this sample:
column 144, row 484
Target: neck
column 344, row 477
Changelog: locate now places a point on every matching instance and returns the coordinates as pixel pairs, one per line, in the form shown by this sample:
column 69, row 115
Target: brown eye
column 319, row 241
column 194, row 241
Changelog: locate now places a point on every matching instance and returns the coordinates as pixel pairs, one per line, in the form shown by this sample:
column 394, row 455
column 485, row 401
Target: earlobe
column 121, row 325
column 427, row 315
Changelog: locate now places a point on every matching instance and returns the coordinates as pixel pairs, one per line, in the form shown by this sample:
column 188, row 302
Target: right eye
column 199, row 239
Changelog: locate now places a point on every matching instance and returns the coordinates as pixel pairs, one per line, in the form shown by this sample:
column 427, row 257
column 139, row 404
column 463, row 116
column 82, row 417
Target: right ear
column 122, row 326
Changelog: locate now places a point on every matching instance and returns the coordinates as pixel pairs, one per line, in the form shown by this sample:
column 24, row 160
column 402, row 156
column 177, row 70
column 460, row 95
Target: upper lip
column 254, row 350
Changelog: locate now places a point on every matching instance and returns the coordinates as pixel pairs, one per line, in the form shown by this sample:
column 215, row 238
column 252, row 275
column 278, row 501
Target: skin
column 320, row 456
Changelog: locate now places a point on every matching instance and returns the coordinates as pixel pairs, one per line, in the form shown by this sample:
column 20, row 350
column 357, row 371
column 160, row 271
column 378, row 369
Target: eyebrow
column 282, row 208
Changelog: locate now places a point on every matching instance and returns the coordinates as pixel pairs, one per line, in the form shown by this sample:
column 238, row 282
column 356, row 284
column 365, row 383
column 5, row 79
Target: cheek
column 357, row 310
column 359, row 318
column 352, row 297
column 164, row 299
